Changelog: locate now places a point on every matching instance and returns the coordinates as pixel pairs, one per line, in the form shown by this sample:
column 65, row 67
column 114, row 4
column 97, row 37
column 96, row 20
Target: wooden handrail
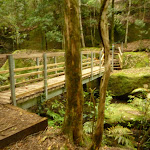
column 28, row 74
column 88, row 59
column 55, row 69
column 120, row 51
column 120, row 60
column 3, row 56
column 87, row 63
column 4, row 71
column 55, row 64
column 28, row 68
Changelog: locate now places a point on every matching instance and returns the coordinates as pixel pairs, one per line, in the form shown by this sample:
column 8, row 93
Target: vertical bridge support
column 45, row 75
column 12, row 79
column 112, row 57
column 37, row 63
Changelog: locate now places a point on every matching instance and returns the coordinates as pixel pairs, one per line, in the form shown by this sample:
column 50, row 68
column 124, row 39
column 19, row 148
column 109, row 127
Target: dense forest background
column 38, row 24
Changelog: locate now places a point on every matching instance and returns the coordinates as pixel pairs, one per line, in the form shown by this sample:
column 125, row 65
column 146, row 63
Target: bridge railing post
column 91, row 65
column 12, row 79
column 112, row 57
column 87, row 56
column 37, row 63
column 55, row 61
column 45, row 75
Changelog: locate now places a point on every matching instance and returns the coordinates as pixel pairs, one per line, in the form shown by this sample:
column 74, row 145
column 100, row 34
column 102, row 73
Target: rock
column 125, row 81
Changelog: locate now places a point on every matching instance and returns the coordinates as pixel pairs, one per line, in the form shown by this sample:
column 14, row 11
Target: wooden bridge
column 46, row 78
column 41, row 78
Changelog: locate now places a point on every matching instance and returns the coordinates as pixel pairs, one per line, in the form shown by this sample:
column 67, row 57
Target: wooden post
column 55, row 61
column 87, row 58
column 112, row 57
column 14, row 66
column 37, row 63
column 81, row 63
column 100, row 62
column 91, row 65
column 45, row 74
column 12, row 79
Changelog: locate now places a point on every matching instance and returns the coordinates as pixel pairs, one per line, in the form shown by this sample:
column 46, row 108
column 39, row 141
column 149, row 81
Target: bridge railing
column 120, row 57
column 43, row 69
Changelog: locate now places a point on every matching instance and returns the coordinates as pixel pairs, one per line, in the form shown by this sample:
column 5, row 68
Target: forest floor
column 50, row 139
column 138, row 45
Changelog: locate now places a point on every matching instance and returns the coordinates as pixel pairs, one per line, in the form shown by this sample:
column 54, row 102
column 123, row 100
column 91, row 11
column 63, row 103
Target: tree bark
column 144, row 10
column 73, row 117
column 81, row 27
column 127, row 24
column 103, row 29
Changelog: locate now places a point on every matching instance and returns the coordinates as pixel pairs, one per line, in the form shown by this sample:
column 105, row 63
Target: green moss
column 125, row 81
column 117, row 113
column 135, row 60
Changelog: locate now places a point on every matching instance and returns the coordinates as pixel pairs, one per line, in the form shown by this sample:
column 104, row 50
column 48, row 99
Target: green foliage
column 143, row 105
column 56, row 120
column 140, row 25
column 55, row 113
column 122, row 135
column 88, row 127
column 108, row 99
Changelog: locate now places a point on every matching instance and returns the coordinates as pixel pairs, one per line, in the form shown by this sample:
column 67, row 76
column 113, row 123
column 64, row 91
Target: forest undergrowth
column 126, row 124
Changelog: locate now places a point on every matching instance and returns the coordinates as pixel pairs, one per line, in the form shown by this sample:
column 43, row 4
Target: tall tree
column 127, row 23
column 73, row 117
column 103, row 30
column 112, row 23
column 81, row 27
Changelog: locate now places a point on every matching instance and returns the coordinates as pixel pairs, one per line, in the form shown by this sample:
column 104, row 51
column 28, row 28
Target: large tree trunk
column 73, row 118
column 103, row 28
column 81, row 27
column 127, row 24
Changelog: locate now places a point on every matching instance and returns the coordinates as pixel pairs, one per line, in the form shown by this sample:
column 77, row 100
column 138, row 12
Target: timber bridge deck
column 47, row 76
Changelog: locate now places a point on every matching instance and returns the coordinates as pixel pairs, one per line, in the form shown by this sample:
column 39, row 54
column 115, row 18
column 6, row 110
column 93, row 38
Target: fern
column 88, row 127
column 57, row 119
column 122, row 135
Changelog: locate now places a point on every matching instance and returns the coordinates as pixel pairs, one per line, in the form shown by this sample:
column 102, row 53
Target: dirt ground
column 134, row 46
column 50, row 139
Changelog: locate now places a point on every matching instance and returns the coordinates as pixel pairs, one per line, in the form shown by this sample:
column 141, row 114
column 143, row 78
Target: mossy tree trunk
column 103, row 29
column 81, row 27
column 73, row 118
column 127, row 24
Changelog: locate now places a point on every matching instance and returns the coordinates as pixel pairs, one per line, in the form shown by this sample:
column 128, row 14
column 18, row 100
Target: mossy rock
column 125, row 81
column 121, row 113
column 135, row 60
